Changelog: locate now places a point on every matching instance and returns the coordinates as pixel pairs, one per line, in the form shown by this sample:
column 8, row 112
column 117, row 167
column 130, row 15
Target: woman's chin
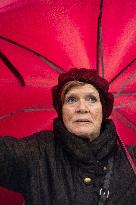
column 85, row 134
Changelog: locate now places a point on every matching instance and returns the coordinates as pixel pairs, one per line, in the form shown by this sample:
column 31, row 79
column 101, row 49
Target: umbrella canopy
column 41, row 39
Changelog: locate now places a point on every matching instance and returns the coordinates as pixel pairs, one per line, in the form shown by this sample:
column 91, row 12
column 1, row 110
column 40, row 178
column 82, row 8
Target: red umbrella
column 40, row 39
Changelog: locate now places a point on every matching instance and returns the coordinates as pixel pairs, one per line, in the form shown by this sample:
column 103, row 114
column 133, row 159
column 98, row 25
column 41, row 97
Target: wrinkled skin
column 82, row 111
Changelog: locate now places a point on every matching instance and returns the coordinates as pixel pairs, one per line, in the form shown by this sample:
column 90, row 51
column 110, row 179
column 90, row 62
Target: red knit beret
column 88, row 76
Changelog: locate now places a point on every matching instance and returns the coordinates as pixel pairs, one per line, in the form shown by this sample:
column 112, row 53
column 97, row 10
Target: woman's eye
column 70, row 100
column 92, row 98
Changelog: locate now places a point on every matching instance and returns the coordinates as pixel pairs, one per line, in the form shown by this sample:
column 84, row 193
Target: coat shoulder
column 132, row 151
column 45, row 136
column 40, row 141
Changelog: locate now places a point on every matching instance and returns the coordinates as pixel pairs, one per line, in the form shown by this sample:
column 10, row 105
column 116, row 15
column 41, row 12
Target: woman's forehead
column 82, row 89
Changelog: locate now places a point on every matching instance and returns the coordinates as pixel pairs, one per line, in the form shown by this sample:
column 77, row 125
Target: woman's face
column 82, row 111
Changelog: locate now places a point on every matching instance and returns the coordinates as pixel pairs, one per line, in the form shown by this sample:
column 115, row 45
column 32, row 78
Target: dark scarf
column 82, row 149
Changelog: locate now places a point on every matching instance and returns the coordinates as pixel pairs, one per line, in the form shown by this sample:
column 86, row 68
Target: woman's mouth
column 82, row 121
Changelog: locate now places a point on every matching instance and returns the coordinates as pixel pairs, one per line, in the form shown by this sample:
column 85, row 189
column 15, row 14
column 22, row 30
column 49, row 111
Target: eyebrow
column 75, row 93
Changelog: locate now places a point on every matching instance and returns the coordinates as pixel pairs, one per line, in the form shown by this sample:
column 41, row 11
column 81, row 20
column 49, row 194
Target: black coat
column 49, row 168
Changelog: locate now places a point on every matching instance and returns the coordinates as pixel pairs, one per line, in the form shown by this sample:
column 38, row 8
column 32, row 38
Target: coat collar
column 82, row 149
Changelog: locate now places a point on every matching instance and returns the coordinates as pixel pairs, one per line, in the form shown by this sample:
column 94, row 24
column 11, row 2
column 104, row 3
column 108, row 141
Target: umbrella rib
column 30, row 109
column 38, row 110
column 124, row 93
column 123, row 70
column 43, row 58
column 40, row 105
column 125, row 120
column 125, row 123
column 124, row 105
column 100, row 56
column 12, row 68
column 126, row 83
column 128, row 120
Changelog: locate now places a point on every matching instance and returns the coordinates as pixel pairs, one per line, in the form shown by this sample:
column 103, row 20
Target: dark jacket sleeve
column 16, row 155
column 132, row 151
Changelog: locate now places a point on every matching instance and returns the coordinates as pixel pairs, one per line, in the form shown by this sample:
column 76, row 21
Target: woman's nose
column 82, row 106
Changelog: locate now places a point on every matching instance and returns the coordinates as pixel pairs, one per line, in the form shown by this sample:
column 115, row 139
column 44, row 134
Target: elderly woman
column 82, row 160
